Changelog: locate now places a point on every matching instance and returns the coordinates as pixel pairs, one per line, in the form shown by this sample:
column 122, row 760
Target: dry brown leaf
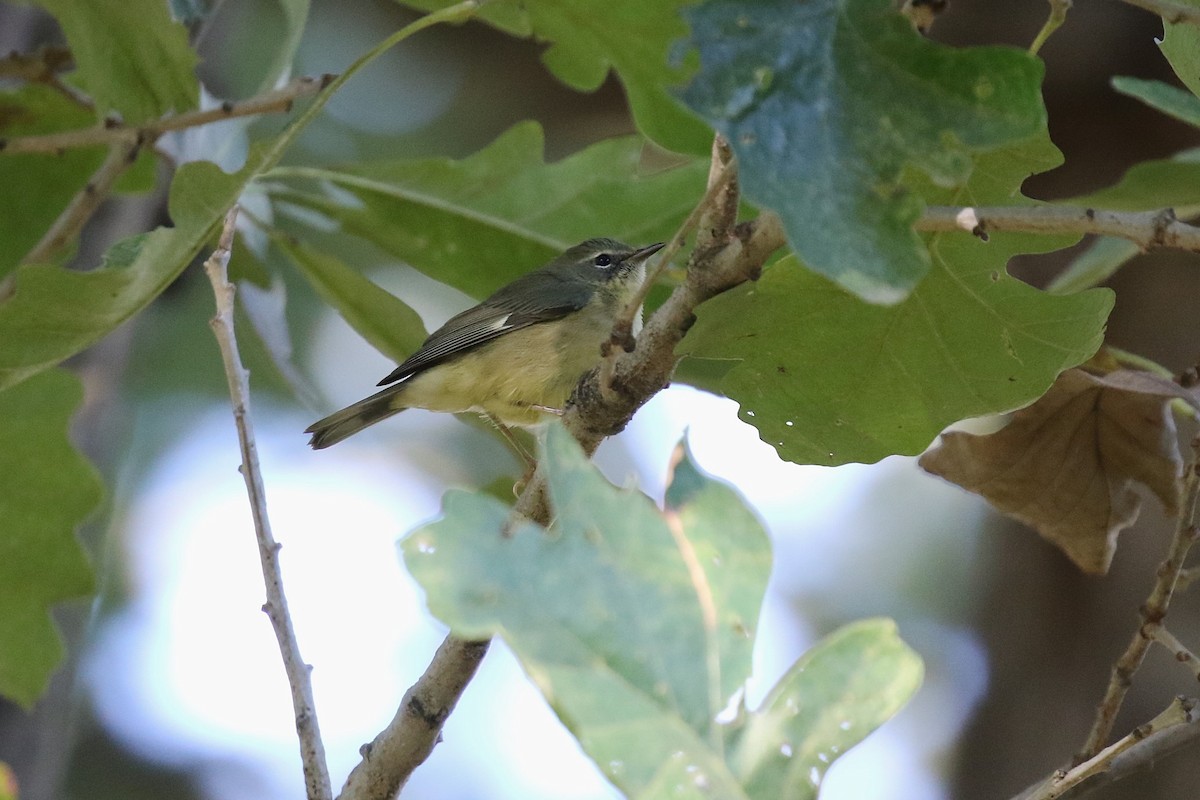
column 1066, row 464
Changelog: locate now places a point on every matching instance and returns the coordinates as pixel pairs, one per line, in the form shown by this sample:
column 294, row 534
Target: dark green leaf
column 1174, row 102
column 46, row 490
column 638, row 626
column 478, row 223
column 826, row 102
column 828, row 379
column 632, row 37
column 132, row 57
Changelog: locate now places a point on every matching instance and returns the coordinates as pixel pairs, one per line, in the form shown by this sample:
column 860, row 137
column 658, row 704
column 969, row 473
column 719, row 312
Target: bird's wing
column 516, row 306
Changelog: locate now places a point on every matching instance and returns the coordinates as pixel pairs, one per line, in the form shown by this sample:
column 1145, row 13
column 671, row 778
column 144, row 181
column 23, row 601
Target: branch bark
column 1153, row 612
column 312, row 750
column 1147, row 229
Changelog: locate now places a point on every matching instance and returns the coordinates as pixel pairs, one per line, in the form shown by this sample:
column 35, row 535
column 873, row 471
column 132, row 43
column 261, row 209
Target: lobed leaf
column 481, row 222
column 828, row 379
column 47, row 489
column 587, row 39
column 826, row 103
column 637, row 625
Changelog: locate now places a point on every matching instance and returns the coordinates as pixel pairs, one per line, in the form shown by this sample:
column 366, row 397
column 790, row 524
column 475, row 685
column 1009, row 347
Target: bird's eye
column 603, row 260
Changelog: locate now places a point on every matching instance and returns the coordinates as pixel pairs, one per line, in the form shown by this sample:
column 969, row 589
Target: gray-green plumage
column 520, row 351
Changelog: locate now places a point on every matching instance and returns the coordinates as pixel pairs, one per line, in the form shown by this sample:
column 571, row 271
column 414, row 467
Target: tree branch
column 1147, row 229
column 401, row 747
column 1175, row 727
column 83, row 205
column 1153, row 612
column 590, row 416
column 312, row 750
column 276, row 100
column 1178, row 649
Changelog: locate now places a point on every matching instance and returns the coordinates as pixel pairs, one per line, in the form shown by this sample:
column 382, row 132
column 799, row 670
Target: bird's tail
column 352, row 419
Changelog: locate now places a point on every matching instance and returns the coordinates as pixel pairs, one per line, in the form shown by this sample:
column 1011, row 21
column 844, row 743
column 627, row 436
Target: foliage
column 863, row 338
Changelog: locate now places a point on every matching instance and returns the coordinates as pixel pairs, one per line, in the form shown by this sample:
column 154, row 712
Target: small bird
column 516, row 356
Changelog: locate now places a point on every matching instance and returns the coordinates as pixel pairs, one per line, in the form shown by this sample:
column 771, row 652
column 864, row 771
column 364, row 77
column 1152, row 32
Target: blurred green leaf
column 1170, row 100
column 1163, row 183
column 1094, row 266
column 825, row 103
column 378, row 316
column 131, row 56
column 478, row 223
column 638, row 627
column 828, row 379
column 1181, row 47
column 632, row 37
column 46, row 490
column 47, row 181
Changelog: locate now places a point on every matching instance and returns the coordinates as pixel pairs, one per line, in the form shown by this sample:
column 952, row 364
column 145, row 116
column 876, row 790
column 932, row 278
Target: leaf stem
column 312, row 750
column 1058, row 15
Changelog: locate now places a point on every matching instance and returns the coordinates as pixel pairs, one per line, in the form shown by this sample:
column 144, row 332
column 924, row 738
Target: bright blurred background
column 175, row 688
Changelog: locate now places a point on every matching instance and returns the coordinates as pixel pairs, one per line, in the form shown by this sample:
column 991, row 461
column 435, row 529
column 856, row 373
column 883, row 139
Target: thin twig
column 1170, row 11
column 121, row 156
column 1171, row 729
column 721, row 184
column 43, row 67
column 312, row 750
column 1153, row 612
column 1178, row 649
column 276, row 100
column 1187, row 577
column 1058, row 15
column 389, row 760
column 1147, row 229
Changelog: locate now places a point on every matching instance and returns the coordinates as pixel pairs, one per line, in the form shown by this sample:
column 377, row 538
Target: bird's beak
column 641, row 255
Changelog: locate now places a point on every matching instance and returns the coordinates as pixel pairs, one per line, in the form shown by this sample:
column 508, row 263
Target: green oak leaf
column 827, row 102
column 46, row 490
column 48, row 181
column 132, row 58
column 828, row 379
column 632, row 37
column 1170, row 100
column 478, row 223
column 1181, row 47
column 638, row 624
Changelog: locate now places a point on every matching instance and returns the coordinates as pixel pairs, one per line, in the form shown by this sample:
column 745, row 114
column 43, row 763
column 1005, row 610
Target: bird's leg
column 522, row 453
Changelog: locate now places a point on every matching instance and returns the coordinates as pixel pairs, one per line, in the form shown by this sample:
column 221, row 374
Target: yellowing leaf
column 1066, row 465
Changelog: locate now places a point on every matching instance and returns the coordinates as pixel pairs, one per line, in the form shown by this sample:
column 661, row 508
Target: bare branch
column 83, row 205
column 1153, row 612
column 1178, row 649
column 1147, row 229
column 276, row 100
column 1170, row 730
column 312, row 750
column 401, row 747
